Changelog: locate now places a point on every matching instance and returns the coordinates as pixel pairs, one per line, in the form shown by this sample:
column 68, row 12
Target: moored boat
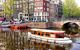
column 5, row 25
column 19, row 26
column 2, row 19
column 50, row 36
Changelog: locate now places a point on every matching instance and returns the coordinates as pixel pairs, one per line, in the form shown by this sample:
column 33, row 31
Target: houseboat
column 50, row 36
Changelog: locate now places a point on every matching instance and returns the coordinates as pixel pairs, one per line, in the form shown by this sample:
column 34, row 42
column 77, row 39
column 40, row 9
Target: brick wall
column 44, row 24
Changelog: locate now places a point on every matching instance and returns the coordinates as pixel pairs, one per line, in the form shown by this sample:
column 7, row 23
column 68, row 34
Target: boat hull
column 19, row 26
column 49, row 40
column 4, row 26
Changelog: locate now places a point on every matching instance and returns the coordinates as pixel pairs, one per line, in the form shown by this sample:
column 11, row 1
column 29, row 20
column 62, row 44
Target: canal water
column 18, row 40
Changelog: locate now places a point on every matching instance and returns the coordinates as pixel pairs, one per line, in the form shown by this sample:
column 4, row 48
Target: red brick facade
column 41, row 9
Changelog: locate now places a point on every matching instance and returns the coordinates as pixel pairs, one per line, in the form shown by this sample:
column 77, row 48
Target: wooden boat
column 50, row 36
column 19, row 26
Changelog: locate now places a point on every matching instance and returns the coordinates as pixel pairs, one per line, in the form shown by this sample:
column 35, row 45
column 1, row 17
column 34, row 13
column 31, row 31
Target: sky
column 77, row 1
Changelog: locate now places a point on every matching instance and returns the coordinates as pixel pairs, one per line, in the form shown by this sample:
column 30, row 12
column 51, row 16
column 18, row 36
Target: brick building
column 46, row 10
column 41, row 9
column 56, row 10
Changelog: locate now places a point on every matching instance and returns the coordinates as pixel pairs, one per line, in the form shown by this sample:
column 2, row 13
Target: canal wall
column 57, row 24
column 38, row 24
column 44, row 24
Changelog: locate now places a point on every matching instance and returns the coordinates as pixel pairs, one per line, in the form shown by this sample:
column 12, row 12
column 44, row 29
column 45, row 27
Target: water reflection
column 18, row 40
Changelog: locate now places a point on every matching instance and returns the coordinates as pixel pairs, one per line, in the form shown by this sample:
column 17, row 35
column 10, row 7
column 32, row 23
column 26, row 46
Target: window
column 47, row 35
column 52, row 35
column 44, row 3
column 25, row 14
column 35, row 8
column 44, row 9
column 47, row 14
column 47, row 9
column 34, row 32
column 39, row 13
column 44, row 14
column 40, row 7
column 35, row 4
column 38, row 0
column 42, row 34
column 59, row 35
column 36, row 14
column 47, row 4
column 39, row 4
column 38, row 33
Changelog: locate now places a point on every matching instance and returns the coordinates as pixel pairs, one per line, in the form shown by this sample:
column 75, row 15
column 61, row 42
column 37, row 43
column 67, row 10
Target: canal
column 18, row 40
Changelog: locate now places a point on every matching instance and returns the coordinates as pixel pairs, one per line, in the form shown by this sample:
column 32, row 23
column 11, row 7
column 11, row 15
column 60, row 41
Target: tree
column 70, row 8
column 8, row 8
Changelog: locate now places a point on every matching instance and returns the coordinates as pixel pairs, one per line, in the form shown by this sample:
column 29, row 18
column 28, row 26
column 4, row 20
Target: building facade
column 56, row 10
column 41, row 9
column 23, row 8
column 46, row 10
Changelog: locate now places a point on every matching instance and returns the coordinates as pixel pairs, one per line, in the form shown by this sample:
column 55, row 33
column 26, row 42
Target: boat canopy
column 50, row 31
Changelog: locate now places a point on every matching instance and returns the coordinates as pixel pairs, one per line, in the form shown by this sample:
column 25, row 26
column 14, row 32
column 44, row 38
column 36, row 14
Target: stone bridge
column 61, row 23
column 74, row 21
column 57, row 24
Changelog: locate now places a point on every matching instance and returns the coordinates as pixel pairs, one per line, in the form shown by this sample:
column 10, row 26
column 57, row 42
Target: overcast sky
column 77, row 1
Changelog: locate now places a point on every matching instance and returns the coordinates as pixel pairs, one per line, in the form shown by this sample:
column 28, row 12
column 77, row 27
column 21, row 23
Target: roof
column 51, row 31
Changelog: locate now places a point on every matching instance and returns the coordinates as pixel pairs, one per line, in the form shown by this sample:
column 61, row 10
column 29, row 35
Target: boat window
column 42, row 34
column 47, row 35
column 34, row 32
column 59, row 35
column 52, row 35
column 38, row 33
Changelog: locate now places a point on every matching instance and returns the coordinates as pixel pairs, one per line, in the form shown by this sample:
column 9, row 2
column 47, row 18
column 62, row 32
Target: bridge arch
column 76, row 22
column 70, row 27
